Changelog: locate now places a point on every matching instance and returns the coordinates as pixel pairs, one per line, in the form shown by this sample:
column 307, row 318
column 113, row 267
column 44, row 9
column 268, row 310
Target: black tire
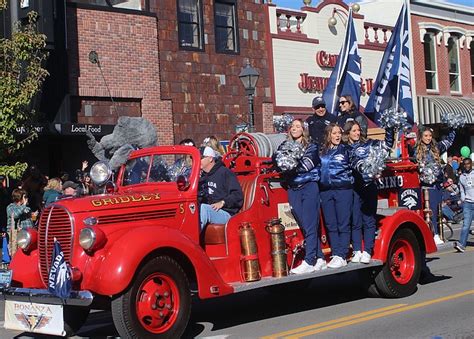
column 159, row 274
column 401, row 271
column 367, row 283
column 74, row 318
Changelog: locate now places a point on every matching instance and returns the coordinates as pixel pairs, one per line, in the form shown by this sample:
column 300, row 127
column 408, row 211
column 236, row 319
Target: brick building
column 174, row 62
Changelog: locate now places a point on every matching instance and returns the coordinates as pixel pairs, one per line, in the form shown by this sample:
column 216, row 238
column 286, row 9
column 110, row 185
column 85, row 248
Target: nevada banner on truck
column 392, row 87
column 345, row 77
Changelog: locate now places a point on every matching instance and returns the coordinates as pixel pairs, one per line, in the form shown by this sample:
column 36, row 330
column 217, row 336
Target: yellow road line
column 359, row 315
column 319, row 329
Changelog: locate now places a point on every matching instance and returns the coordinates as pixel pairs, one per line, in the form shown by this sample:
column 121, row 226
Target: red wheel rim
column 157, row 303
column 402, row 261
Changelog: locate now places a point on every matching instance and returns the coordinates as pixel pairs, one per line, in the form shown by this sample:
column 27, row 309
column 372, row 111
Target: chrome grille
column 55, row 222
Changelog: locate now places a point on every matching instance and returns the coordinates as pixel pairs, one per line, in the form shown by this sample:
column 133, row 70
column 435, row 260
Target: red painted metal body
column 143, row 220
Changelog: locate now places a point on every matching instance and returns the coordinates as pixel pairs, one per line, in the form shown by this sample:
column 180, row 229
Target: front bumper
column 77, row 298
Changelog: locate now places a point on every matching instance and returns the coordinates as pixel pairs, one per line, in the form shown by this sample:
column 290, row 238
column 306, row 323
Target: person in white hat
column 220, row 193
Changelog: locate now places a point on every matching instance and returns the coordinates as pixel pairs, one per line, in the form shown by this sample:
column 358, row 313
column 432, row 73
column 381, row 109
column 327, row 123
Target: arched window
column 453, row 61
column 429, row 48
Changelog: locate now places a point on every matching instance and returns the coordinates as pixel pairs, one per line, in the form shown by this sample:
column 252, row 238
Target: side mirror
column 110, row 187
column 182, row 182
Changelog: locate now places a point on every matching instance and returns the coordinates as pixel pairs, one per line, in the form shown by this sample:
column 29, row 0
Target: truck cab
column 138, row 249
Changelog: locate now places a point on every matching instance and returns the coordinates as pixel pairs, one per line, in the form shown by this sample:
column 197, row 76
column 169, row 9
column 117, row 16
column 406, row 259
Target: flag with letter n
column 392, row 87
column 345, row 77
column 59, row 280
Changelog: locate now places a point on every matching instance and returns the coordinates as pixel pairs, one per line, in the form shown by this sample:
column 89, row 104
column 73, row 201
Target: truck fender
column 113, row 272
column 392, row 223
column 25, row 269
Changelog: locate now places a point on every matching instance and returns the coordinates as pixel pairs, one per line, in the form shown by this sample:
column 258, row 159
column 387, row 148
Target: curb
column 446, row 246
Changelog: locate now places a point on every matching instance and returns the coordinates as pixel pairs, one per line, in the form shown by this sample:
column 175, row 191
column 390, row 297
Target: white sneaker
column 320, row 265
column 438, row 240
column 303, row 268
column 337, row 262
column 365, row 258
column 356, row 257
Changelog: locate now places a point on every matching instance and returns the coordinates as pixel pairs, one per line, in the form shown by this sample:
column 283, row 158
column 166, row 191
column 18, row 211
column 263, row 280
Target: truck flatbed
column 268, row 281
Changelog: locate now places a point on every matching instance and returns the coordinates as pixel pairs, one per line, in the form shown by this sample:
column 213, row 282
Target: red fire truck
column 137, row 249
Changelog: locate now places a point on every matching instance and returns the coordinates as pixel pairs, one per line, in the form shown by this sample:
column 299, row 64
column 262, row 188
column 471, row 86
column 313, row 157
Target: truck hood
column 120, row 200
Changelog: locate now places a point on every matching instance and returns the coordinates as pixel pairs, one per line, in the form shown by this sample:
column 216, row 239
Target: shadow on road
column 262, row 304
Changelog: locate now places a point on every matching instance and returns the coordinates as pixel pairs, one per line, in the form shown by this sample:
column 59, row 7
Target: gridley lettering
column 125, row 199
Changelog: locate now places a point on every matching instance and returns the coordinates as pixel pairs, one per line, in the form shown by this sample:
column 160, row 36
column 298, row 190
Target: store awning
column 430, row 108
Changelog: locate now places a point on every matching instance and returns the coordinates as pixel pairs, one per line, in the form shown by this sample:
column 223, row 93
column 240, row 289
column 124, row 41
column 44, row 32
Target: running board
column 269, row 281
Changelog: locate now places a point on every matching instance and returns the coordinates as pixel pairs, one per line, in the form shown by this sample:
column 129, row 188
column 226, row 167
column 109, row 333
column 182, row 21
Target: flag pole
column 346, row 55
column 400, row 56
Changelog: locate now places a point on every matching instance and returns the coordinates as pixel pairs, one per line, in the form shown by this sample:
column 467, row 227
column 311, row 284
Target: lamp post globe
column 249, row 77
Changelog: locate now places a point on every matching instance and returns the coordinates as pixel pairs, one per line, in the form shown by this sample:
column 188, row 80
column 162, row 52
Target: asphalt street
column 332, row 307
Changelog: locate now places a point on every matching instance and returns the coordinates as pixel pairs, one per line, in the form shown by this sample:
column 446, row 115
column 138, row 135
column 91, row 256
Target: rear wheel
column 157, row 304
column 399, row 276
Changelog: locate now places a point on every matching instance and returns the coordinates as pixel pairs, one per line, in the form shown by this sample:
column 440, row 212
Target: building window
column 190, row 30
column 225, row 20
column 453, row 60
column 429, row 47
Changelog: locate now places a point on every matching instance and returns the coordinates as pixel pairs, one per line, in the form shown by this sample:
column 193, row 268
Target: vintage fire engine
column 137, row 249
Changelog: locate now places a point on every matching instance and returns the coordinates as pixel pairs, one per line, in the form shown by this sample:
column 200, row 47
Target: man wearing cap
column 319, row 120
column 69, row 190
column 220, row 193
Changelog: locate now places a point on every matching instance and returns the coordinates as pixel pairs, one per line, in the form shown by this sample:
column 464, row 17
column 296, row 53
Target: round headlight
column 100, row 173
column 23, row 239
column 87, row 238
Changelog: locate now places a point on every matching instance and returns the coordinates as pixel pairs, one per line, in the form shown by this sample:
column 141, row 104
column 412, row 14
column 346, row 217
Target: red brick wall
column 442, row 60
column 203, row 106
column 128, row 50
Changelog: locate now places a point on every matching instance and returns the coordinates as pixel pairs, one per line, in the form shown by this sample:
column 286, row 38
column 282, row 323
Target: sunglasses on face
column 319, row 106
column 343, row 102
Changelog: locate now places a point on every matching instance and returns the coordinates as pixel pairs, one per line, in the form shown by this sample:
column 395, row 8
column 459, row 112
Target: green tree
column 21, row 76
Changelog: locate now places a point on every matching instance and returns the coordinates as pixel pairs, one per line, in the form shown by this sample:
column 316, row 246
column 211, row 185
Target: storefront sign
column 311, row 83
column 314, row 84
column 39, row 129
column 324, row 59
column 80, row 129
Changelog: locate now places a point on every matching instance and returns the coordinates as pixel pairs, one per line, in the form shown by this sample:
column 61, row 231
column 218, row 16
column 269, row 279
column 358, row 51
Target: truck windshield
column 157, row 168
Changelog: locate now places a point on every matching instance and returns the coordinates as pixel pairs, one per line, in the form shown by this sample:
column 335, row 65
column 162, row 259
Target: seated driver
column 220, row 194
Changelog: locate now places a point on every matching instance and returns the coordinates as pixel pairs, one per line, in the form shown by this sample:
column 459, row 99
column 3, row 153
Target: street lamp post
column 249, row 77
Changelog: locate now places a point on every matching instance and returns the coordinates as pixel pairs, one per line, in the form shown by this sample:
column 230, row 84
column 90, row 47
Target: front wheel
column 399, row 276
column 157, row 304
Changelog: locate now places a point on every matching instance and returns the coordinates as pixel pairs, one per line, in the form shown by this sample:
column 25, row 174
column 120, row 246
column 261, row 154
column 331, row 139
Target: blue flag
column 345, row 78
column 392, row 87
column 59, row 280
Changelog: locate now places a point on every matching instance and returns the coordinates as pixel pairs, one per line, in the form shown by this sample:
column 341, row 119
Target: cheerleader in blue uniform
column 364, row 208
column 427, row 151
column 336, row 193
